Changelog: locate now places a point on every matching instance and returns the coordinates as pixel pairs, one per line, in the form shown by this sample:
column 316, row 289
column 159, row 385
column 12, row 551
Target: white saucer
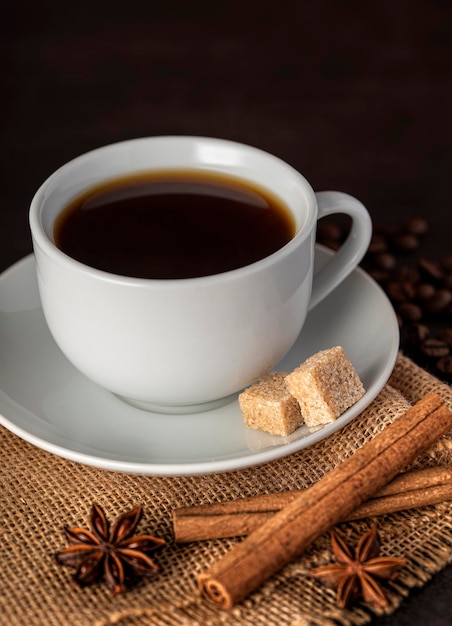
column 47, row 402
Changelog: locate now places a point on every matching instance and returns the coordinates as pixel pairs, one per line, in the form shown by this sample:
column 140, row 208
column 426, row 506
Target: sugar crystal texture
column 325, row 385
column 268, row 406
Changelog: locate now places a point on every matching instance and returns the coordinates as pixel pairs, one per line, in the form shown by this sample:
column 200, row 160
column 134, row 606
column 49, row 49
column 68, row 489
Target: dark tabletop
column 355, row 95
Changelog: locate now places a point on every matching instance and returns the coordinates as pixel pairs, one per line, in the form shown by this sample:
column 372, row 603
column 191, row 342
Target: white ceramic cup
column 186, row 345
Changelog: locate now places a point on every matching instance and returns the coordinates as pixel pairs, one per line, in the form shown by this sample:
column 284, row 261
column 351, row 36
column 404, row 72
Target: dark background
column 356, row 95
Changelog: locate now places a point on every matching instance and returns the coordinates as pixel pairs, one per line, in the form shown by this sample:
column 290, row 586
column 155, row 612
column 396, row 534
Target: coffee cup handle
column 344, row 261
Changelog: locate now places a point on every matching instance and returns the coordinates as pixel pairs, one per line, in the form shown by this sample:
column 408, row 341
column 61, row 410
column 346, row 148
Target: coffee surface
column 172, row 225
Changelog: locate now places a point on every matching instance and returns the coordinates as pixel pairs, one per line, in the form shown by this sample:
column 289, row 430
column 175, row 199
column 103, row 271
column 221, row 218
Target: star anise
column 114, row 554
column 354, row 576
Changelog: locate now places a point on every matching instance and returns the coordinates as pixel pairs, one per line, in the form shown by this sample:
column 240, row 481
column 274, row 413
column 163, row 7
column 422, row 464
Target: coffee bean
column 409, row 312
column 377, row 245
column 444, row 366
column 431, row 270
column 416, row 226
column 438, row 302
column 384, row 261
column 424, row 291
column 434, row 348
column 446, row 262
column 328, row 232
column 445, row 334
column 415, row 334
column 400, row 292
column 407, row 274
column 405, row 242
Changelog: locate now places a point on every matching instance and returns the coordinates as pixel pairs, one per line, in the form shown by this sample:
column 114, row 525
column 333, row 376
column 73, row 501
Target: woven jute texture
column 42, row 493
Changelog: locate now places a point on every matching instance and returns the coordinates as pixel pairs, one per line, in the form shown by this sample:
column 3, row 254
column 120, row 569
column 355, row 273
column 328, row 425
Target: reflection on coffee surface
column 173, row 224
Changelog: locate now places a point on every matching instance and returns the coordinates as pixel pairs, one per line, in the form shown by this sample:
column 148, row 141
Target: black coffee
column 173, row 224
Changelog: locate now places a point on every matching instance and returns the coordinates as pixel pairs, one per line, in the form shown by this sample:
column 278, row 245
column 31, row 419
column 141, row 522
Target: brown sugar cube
column 325, row 386
column 267, row 405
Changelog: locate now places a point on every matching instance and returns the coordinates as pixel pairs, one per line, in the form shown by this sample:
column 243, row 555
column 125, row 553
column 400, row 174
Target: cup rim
column 46, row 245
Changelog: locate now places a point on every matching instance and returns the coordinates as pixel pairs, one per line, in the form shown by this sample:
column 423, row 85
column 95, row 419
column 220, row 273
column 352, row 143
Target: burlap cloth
column 41, row 493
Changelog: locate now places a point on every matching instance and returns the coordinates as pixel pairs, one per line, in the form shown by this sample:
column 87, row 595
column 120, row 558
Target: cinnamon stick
column 240, row 517
column 314, row 511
